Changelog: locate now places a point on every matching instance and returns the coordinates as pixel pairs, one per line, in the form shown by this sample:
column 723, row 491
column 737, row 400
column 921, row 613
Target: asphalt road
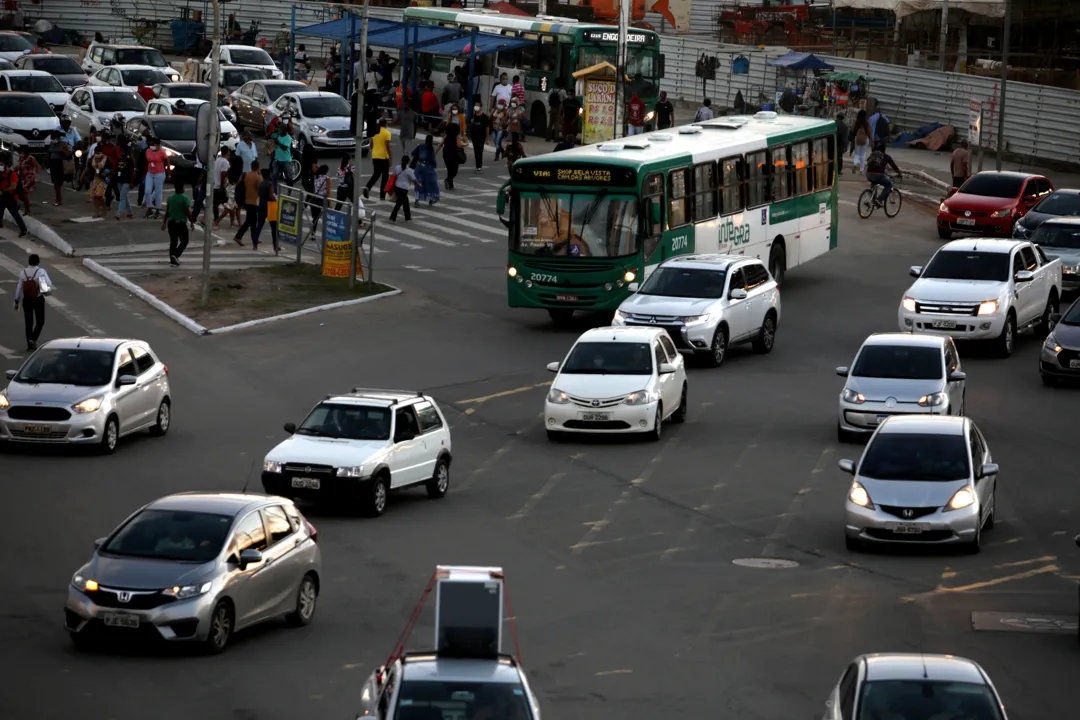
column 619, row 554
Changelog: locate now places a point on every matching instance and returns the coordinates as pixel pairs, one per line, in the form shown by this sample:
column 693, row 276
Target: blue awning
column 486, row 43
column 801, row 61
column 337, row 29
column 431, row 39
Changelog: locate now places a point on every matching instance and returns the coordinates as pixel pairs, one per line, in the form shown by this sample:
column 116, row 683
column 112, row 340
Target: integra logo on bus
column 734, row 234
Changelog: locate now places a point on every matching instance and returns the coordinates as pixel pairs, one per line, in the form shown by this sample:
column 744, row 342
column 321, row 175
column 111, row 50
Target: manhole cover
column 766, row 563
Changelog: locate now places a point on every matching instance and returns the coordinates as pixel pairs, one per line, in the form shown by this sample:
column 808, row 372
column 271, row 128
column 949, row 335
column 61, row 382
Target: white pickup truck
column 979, row 289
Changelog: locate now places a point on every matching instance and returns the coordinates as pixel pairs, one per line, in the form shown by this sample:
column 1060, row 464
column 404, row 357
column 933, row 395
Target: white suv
column 708, row 303
column 359, row 446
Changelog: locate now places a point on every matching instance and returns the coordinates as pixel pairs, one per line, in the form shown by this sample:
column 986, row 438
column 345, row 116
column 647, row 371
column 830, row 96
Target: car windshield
column 236, row 78
column 58, row 65
column 682, row 282
column 903, row 456
column 250, row 56
column 899, row 362
column 498, row 701
column 352, row 422
column 1059, row 203
column 68, row 366
column 118, row 101
column 35, row 83
column 141, row 56
column 174, row 129
column 146, row 77
column 609, row 358
column 579, row 225
column 276, row 90
column 178, row 535
column 927, row 700
column 1051, row 235
column 968, row 265
column 14, row 43
column 993, row 185
column 24, row 106
column 5, row 65
column 323, row 107
column 1072, row 315
column 190, row 92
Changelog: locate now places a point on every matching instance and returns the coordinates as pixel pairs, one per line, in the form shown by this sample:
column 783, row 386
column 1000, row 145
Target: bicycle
column 868, row 201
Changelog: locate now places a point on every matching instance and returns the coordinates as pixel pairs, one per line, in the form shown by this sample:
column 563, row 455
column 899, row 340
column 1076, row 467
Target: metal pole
column 1004, row 82
column 472, row 71
column 346, row 58
column 371, row 252
column 360, row 122
column 542, row 10
column 215, row 141
column 620, row 72
column 292, row 46
column 353, row 246
column 943, row 39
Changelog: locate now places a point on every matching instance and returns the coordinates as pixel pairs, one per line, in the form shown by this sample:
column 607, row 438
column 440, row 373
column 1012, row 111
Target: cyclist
column 876, row 165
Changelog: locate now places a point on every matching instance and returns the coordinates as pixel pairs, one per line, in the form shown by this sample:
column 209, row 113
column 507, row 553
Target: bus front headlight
column 629, row 276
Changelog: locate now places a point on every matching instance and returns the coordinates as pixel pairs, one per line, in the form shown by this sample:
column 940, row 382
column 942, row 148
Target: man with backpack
column 555, row 101
column 879, row 126
column 876, row 164
column 32, row 286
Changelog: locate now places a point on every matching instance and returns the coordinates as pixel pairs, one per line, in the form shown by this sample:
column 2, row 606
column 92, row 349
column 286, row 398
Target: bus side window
column 566, row 65
column 757, row 180
column 548, row 53
column 704, row 191
column 529, row 52
column 677, row 199
column 653, row 220
column 509, row 58
column 781, row 173
column 800, row 168
column 731, row 183
column 823, row 163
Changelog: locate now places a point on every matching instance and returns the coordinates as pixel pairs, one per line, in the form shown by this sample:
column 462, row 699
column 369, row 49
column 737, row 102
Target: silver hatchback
column 196, row 567
column 86, row 391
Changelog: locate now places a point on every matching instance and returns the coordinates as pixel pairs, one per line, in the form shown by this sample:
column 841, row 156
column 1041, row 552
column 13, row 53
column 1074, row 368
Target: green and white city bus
column 562, row 47
column 585, row 223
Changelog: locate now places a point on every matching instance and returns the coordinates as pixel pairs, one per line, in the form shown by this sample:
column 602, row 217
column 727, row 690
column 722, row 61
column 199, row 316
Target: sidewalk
column 936, row 164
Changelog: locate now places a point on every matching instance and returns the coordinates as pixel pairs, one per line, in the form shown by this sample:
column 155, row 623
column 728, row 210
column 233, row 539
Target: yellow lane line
column 504, row 393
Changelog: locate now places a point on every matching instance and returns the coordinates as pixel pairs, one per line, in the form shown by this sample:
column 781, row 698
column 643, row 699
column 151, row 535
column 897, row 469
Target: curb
column 301, row 313
column 47, row 235
column 151, row 300
column 930, row 180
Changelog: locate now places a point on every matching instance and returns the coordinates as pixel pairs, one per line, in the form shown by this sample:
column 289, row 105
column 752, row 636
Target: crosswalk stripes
column 58, row 266
column 157, row 261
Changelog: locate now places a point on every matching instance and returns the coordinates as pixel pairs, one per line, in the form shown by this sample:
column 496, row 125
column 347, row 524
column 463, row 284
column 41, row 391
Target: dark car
column 1060, row 358
column 252, row 100
column 1065, row 202
column 177, row 136
column 990, row 203
column 63, row 68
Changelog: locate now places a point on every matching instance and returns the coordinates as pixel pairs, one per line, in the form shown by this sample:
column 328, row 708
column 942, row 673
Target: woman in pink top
column 155, row 177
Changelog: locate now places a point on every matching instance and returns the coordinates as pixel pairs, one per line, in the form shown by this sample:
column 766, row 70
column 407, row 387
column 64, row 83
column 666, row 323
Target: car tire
column 989, row 525
column 163, row 419
column 1043, row 328
column 555, row 436
column 778, row 264
column 718, row 348
column 1049, row 380
column 378, row 494
column 973, row 547
column 81, row 640
column 110, row 436
column 766, row 337
column 657, row 431
column 679, row 416
column 307, row 596
column 944, row 234
column 844, row 436
column 221, row 628
column 1006, row 341
column 440, row 480
column 852, row 544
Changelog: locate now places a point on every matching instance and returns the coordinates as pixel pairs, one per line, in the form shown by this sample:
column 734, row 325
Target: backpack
column 860, row 137
column 555, row 99
column 881, row 128
column 30, row 287
column 876, row 162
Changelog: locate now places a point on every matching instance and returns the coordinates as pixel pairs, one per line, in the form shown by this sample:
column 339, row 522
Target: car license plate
column 566, row 298
column 307, row 483
column 37, row 429
column 879, row 419
column 965, row 221
column 595, row 416
column 1074, row 364
column 909, row 528
column 944, row 324
column 120, row 620
column 36, row 143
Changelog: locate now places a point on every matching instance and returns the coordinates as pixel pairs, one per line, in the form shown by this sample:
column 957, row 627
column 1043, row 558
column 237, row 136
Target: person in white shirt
column 31, row 287
column 220, row 178
column 502, row 91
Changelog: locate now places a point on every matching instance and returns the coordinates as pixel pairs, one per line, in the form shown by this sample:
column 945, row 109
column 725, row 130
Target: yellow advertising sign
column 599, row 125
column 337, row 259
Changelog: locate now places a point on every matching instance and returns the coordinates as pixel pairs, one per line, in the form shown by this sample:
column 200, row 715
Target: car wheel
column 1044, row 322
column 377, row 495
column 1007, row 339
column 81, row 640
column 973, row 547
column 1049, row 380
column 555, row 435
column 221, row 627
column 852, row 544
column 658, row 425
column 989, row 525
column 164, row 419
column 679, row 416
column 718, row 349
column 300, row 142
column 306, row 598
column 944, row 234
column 844, row 436
column 766, row 337
column 440, row 480
column 110, row 436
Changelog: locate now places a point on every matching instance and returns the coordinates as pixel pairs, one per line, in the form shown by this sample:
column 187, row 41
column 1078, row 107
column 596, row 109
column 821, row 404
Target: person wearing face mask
column 155, row 177
column 499, row 120
column 57, row 157
column 515, row 119
column 9, row 189
column 451, row 146
column 479, row 129
column 501, row 92
column 28, row 172
column 88, row 172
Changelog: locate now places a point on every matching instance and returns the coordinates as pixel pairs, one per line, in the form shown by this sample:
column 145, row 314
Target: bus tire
column 538, row 116
column 561, row 316
column 778, row 262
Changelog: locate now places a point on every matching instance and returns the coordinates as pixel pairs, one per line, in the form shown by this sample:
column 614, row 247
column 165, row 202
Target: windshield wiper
column 311, row 431
column 590, row 211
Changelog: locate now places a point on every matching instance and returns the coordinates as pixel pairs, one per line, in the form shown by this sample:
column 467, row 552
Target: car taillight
column 165, row 369
column 312, row 531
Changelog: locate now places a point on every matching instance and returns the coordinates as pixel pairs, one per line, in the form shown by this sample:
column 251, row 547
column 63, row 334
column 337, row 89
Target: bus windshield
column 593, row 224
column 642, row 65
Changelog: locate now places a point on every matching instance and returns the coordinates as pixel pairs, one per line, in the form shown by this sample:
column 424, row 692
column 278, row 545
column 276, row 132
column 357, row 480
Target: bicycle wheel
column 292, row 171
column 892, row 205
column 866, row 203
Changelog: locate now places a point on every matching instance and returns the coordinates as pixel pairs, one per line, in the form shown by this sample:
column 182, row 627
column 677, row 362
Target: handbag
column 272, row 211
column 390, row 184
column 461, row 156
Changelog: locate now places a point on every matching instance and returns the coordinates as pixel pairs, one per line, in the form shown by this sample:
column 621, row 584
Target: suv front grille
column 33, row 412
column 309, row 469
column 339, row 134
column 1065, row 356
column 945, row 308
column 605, row 403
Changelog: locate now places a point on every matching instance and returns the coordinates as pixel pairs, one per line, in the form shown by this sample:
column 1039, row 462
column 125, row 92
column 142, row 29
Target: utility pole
column 943, row 41
column 542, row 10
column 1004, row 82
column 354, row 227
column 215, row 142
column 620, row 71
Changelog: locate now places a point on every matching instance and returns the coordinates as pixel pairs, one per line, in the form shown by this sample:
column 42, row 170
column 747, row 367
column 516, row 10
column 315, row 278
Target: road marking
column 495, row 457
column 30, row 247
column 408, row 246
column 785, row 520
column 504, row 393
column 424, row 238
column 474, row 226
column 603, row 673
column 74, row 316
column 130, row 248
column 944, row 590
column 538, row 496
column 9, row 353
column 1021, row 563
column 417, row 268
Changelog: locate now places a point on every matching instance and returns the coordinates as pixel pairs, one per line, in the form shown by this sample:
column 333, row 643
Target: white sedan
column 132, row 76
column 321, row 120
column 167, row 106
column 617, row 380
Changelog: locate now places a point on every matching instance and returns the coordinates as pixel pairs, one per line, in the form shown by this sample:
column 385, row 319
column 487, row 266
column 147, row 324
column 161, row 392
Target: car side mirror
column 84, row 108
column 666, row 368
column 987, row 470
column 553, row 367
column 1024, row 276
column 404, row 435
column 99, row 542
column 633, row 287
column 957, row 376
column 126, row 380
column 250, row 557
column 915, row 271
column 290, row 428
column 10, row 374
column 843, row 372
column 737, row 294
column 847, row 466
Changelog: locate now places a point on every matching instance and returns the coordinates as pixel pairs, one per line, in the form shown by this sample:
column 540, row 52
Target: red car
column 990, row 203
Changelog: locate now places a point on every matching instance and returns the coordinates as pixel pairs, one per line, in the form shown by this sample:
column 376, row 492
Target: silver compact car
column 86, row 391
column 197, row 567
column 928, row 480
column 899, row 374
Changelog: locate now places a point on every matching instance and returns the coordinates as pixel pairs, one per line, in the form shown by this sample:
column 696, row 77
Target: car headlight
column 909, row 304
column 88, row 405
column 944, row 208
column 84, row 584
column 650, row 116
column 317, row 129
column 271, row 466
column 961, row 499
column 558, row 397
column 850, row 396
column 4, row 404
column 641, row 397
column 169, row 152
column 859, row 496
column 988, row 307
column 6, row 129
column 1070, row 269
column 1051, row 345
column 1019, row 228
column 1002, row 213
column 175, row 78
column 355, row 471
column 933, row 400
column 234, row 135
column 620, row 316
column 186, row 591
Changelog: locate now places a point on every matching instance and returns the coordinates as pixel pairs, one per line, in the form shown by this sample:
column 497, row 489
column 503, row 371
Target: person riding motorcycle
column 876, row 166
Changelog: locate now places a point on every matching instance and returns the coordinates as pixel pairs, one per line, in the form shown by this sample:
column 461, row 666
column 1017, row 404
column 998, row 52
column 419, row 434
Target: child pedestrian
column 99, row 179
column 28, row 172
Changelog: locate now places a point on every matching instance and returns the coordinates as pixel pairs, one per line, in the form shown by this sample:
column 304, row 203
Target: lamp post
column 215, row 141
column 620, row 69
column 1004, row 82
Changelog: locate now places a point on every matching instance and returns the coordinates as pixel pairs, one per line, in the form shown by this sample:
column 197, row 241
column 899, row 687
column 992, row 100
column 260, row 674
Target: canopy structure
column 801, row 61
column 846, row 77
column 414, row 36
column 903, row 8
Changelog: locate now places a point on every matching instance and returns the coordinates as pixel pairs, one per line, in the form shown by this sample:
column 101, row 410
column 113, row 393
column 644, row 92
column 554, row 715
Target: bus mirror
column 500, row 199
column 660, row 70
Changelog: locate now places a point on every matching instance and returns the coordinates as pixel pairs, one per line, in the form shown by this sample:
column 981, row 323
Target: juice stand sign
column 599, row 125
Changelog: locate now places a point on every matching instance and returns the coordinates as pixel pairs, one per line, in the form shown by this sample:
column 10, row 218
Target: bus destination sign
column 633, row 38
column 575, row 174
